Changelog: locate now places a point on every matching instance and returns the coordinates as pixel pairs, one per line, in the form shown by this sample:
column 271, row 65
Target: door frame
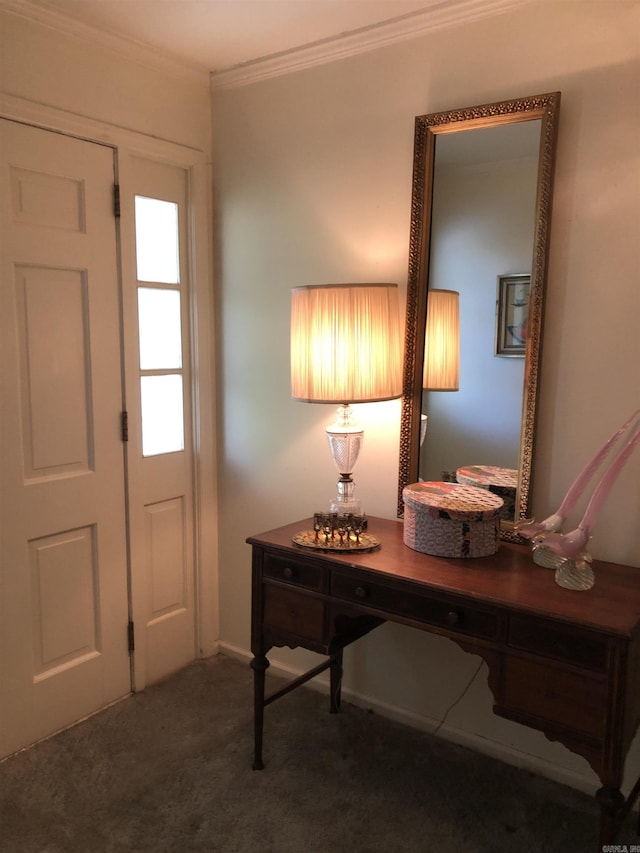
column 197, row 163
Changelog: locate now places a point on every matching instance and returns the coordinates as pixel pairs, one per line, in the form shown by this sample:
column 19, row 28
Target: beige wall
column 313, row 184
column 90, row 80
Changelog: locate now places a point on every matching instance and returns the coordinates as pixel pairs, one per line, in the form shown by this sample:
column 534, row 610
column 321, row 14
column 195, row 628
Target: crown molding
column 439, row 14
column 436, row 15
column 128, row 48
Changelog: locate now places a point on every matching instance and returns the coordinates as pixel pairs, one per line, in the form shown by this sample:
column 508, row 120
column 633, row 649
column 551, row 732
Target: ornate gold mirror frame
column 427, row 129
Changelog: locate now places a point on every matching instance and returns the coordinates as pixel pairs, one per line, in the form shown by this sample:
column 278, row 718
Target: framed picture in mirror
column 512, row 315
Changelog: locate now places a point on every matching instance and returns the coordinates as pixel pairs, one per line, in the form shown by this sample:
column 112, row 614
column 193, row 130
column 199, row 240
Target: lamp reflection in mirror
column 441, row 370
column 345, row 348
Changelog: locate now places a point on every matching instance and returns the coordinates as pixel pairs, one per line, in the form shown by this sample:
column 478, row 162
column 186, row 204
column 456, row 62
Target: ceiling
column 219, row 35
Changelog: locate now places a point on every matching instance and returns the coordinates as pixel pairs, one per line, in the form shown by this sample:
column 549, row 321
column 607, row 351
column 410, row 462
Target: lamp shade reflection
column 442, row 342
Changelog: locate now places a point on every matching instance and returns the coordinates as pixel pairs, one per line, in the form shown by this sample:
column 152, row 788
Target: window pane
column 162, row 418
column 157, row 254
column 159, row 326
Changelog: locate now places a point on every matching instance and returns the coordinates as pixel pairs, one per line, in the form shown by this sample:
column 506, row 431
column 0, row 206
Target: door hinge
column 116, row 201
column 125, row 426
column 131, row 638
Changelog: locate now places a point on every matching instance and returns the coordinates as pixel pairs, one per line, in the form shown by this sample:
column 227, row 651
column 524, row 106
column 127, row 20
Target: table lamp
column 345, row 348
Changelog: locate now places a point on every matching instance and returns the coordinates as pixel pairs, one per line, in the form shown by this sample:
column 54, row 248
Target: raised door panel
column 64, row 581
column 55, row 370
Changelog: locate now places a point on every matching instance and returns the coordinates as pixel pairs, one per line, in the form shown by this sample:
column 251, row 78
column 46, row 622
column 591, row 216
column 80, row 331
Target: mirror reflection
column 480, row 220
column 484, row 199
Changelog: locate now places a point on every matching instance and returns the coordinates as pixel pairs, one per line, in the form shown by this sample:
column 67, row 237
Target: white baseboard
column 491, row 748
column 211, row 649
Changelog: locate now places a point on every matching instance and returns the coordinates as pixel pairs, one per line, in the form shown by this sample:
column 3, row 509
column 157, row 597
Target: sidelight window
column 159, row 325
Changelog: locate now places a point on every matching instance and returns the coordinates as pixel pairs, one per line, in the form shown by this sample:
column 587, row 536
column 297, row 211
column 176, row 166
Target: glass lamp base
column 345, row 439
column 345, row 502
column 344, row 507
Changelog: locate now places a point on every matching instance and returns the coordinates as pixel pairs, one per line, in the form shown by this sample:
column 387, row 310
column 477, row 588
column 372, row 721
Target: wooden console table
column 564, row 662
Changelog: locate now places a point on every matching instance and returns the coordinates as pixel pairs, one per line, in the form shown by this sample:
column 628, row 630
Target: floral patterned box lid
column 453, row 501
column 488, row 475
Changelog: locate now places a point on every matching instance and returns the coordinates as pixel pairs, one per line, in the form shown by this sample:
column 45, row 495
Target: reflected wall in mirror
column 480, row 219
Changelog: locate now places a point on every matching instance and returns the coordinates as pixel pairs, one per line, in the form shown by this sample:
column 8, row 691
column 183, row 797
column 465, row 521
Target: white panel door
column 63, row 568
column 160, row 459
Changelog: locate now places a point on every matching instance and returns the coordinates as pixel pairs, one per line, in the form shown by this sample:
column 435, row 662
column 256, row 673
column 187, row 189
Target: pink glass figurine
column 572, row 545
column 568, row 550
column 553, row 524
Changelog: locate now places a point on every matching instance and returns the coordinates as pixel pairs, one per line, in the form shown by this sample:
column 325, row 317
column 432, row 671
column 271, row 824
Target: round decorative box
column 451, row 520
column 501, row 481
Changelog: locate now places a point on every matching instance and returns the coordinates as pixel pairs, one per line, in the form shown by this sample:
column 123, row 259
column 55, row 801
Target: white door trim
column 74, row 124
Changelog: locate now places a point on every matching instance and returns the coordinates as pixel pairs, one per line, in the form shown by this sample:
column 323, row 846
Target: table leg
column 611, row 801
column 335, row 681
column 259, row 665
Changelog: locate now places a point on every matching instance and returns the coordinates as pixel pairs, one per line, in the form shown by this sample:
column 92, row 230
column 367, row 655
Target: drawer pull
column 360, row 592
column 453, row 618
column 288, row 572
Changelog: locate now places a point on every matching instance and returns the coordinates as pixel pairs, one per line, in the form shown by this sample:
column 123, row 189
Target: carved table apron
column 561, row 661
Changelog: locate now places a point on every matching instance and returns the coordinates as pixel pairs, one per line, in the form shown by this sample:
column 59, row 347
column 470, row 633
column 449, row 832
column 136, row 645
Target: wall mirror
column 480, row 220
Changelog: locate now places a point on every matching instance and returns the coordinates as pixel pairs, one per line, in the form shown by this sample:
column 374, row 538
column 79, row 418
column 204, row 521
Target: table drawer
column 293, row 613
column 441, row 612
column 573, row 701
column 293, row 571
column 556, row 641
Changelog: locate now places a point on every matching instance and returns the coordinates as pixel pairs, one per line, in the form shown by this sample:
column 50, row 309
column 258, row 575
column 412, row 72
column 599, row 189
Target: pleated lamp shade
column 345, row 343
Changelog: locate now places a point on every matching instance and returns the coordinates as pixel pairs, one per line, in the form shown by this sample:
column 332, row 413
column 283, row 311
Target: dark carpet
column 169, row 769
